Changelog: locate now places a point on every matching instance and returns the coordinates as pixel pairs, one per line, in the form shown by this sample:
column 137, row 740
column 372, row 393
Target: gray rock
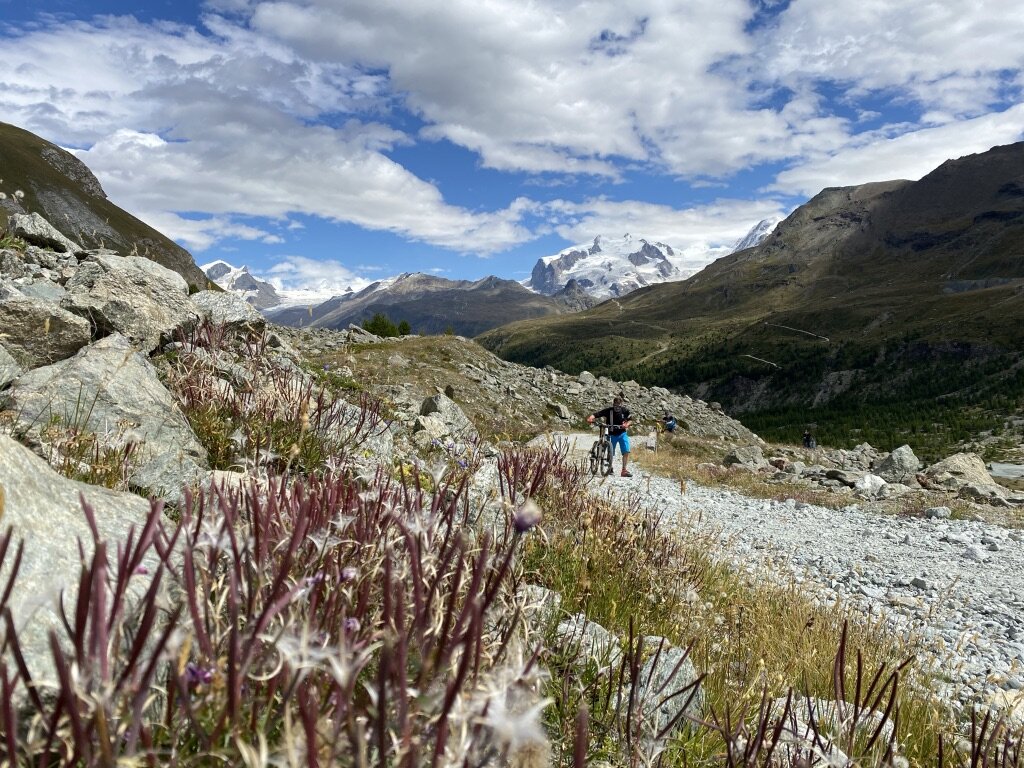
column 587, row 379
column 45, row 290
column 977, row 554
column 40, row 333
column 663, row 676
column 110, row 388
column 749, row 456
column 452, row 416
column 920, row 582
column 869, row 485
column 431, row 426
column 832, row 722
column 587, row 641
column 938, row 513
column 539, row 604
column 900, row 466
column 957, row 471
column 846, row 477
column 9, row 368
column 133, row 296
column 560, row 411
column 12, row 266
column 33, row 228
column 45, row 511
column 222, row 308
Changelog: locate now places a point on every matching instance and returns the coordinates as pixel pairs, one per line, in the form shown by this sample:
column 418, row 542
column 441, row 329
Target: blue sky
column 340, row 141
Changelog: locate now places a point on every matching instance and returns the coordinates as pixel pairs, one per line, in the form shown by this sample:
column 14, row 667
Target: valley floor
column 954, row 588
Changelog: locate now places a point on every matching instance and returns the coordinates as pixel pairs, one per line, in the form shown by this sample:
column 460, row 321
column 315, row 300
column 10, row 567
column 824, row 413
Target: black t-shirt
column 616, row 416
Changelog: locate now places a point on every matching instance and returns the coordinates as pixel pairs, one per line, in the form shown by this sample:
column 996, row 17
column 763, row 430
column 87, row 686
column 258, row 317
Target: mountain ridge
column 62, row 189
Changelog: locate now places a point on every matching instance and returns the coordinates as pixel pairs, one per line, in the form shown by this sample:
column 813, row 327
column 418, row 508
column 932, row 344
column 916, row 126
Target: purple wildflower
column 351, row 624
column 527, row 516
column 140, row 570
column 312, row 581
column 196, row 675
column 348, row 573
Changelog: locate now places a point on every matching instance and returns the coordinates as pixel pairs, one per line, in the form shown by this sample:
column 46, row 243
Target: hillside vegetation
column 890, row 312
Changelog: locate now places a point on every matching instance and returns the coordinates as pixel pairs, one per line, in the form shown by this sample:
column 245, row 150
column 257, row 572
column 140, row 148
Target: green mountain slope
column 893, row 310
column 63, row 190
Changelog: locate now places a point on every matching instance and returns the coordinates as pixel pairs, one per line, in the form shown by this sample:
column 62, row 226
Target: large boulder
column 222, row 308
column 900, row 466
column 747, row 456
column 958, row 471
column 452, row 416
column 45, row 511
column 108, row 388
column 38, row 332
column 33, row 228
column 132, row 296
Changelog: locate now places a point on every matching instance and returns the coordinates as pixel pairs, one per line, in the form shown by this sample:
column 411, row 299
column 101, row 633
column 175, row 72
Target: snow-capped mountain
column 611, row 267
column 239, row 280
column 757, row 233
column 263, row 294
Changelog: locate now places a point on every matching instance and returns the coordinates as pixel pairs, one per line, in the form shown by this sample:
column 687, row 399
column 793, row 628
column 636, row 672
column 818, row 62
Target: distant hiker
column 668, row 421
column 617, row 417
column 809, row 441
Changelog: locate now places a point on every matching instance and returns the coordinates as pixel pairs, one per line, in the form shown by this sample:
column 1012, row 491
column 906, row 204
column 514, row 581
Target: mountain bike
column 601, row 451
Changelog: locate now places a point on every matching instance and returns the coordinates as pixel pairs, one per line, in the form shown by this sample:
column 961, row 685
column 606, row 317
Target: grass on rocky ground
column 434, row 363
column 628, row 572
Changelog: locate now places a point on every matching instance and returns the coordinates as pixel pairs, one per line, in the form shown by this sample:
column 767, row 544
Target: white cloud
column 327, row 277
column 557, row 86
column 907, row 156
column 283, row 108
column 222, row 126
column 950, row 57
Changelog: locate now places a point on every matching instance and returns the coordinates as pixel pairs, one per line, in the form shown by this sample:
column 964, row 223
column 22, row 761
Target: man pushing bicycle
column 617, row 417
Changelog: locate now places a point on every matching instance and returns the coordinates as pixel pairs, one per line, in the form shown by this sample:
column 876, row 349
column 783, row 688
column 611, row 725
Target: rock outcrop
column 44, row 510
column 111, row 389
column 133, row 296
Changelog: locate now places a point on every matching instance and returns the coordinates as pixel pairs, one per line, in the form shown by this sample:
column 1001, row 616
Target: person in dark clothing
column 617, row 417
column 668, row 421
column 809, row 441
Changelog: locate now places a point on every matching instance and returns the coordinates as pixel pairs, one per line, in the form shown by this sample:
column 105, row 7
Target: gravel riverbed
column 955, row 587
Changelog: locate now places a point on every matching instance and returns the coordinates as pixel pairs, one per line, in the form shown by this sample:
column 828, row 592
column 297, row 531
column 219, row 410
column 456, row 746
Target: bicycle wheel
column 594, row 452
column 606, row 458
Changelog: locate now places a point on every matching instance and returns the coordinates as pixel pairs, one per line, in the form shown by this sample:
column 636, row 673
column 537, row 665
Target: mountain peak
column 610, row 266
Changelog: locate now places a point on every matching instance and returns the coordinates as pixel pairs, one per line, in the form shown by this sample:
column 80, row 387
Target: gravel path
column 956, row 585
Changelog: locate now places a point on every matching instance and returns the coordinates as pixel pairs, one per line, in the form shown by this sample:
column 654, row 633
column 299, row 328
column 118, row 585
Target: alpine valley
column 889, row 312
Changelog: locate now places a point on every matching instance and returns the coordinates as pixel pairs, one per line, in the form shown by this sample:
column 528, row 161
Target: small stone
column 920, row 582
column 938, row 513
column 977, row 554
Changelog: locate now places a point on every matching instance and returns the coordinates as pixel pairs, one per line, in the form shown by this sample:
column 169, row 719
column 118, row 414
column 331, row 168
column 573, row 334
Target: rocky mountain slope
column 40, row 177
column 433, row 304
column 870, row 307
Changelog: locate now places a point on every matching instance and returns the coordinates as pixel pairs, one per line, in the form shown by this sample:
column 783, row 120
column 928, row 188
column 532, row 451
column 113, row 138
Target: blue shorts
column 620, row 440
